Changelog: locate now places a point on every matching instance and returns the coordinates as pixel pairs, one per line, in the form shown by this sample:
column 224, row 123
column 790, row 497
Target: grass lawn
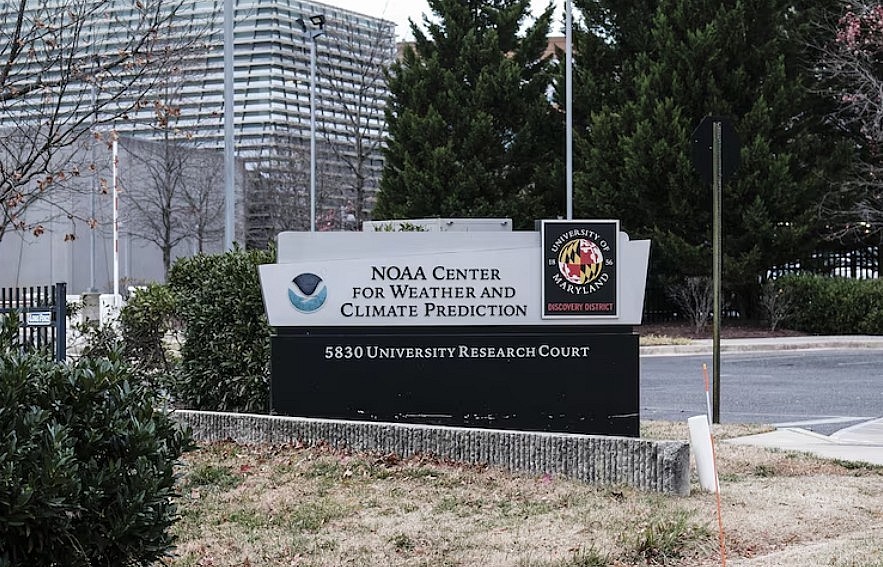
column 314, row 506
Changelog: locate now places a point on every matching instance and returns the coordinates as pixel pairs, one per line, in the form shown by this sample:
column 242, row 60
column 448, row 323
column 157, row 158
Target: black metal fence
column 43, row 315
column 861, row 263
column 658, row 307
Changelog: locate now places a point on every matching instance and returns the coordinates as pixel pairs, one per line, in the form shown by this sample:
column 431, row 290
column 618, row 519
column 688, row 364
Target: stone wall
column 660, row 466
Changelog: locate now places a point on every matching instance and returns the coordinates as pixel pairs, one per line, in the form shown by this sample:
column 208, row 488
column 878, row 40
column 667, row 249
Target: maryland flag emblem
column 580, row 261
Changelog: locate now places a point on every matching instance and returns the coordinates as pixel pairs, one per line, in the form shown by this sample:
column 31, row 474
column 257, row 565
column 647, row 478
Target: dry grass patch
column 678, row 430
column 653, row 339
column 290, row 505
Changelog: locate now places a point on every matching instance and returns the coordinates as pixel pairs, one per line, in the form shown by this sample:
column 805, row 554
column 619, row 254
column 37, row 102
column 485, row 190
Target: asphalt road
column 820, row 390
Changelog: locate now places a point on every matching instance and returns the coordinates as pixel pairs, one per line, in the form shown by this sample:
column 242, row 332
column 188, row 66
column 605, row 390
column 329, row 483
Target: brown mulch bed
column 728, row 331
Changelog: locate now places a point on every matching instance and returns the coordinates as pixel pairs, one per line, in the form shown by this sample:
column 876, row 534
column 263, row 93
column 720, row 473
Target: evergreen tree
column 472, row 132
column 666, row 65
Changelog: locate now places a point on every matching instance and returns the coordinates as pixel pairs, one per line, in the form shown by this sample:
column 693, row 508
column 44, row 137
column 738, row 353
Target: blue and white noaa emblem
column 307, row 293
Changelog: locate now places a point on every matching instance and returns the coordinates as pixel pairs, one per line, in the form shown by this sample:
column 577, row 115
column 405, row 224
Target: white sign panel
column 399, row 290
column 38, row 318
column 418, row 279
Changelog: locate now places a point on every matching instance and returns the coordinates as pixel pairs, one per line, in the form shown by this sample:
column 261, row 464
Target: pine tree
column 669, row 63
column 472, row 132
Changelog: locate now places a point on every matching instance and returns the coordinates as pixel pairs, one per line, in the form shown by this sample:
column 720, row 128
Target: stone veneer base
column 659, row 466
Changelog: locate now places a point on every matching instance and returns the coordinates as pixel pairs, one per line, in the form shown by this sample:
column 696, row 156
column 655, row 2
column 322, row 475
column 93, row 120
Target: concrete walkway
column 859, row 443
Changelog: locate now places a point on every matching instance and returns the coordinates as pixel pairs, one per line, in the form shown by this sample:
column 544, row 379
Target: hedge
column 834, row 306
column 225, row 358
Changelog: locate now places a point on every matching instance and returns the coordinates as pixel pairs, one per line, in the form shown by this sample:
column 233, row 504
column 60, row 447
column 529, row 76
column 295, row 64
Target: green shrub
column 86, row 463
column 872, row 311
column 226, row 353
column 144, row 321
column 835, row 306
column 10, row 339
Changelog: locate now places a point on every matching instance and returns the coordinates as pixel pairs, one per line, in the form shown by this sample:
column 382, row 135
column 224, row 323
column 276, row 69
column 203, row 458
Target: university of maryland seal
column 579, row 268
column 581, row 261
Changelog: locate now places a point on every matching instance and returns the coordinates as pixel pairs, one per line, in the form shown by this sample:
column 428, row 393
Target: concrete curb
column 704, row 346
column 659, row 466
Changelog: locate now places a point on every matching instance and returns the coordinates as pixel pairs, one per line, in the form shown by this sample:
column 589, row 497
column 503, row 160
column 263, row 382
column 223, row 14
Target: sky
column 400, row 10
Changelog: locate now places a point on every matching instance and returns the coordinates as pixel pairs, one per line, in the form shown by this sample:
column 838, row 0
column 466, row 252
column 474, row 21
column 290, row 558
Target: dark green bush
column 872, row 308
column 225, row 359
column 834, row 306
column 86, row 463
column 144, row 321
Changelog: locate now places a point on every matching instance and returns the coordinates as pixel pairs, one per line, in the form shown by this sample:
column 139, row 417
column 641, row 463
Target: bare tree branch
column 176, row 191
column 280, row 188
column 852, row 66
column 356, row 138
column 68, row 66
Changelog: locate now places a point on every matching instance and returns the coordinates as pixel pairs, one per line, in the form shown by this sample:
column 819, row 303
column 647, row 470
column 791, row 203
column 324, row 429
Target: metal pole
column 92, row 221
column 51, row 239
column 313, row 134
column 717, row 174
column 92, row 228
column 568, row 62
column 116, row 219
column 228, row 126
column 60, row 301
column 69, row 251
column 128, row 273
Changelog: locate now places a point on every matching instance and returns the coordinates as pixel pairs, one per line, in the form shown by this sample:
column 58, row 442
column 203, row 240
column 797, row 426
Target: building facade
column 165, row 205
column 271, row 53
column 272, row 107
column 272, row 93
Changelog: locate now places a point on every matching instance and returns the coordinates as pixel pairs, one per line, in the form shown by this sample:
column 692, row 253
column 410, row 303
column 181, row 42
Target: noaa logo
column 580, row 261
column 307, row 293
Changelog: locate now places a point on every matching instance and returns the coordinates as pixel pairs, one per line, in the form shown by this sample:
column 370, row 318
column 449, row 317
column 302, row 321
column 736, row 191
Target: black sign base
column 563, row 379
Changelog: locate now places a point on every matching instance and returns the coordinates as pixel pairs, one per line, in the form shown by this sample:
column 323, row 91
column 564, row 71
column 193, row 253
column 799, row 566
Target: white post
column 568, row 101
column 703, row 452
column 313, row 134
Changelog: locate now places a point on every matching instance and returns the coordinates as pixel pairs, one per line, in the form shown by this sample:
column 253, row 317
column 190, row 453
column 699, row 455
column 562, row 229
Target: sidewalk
column 859, row 443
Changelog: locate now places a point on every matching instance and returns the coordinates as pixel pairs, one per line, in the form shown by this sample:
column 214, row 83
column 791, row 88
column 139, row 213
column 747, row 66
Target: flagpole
column 568, row 99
